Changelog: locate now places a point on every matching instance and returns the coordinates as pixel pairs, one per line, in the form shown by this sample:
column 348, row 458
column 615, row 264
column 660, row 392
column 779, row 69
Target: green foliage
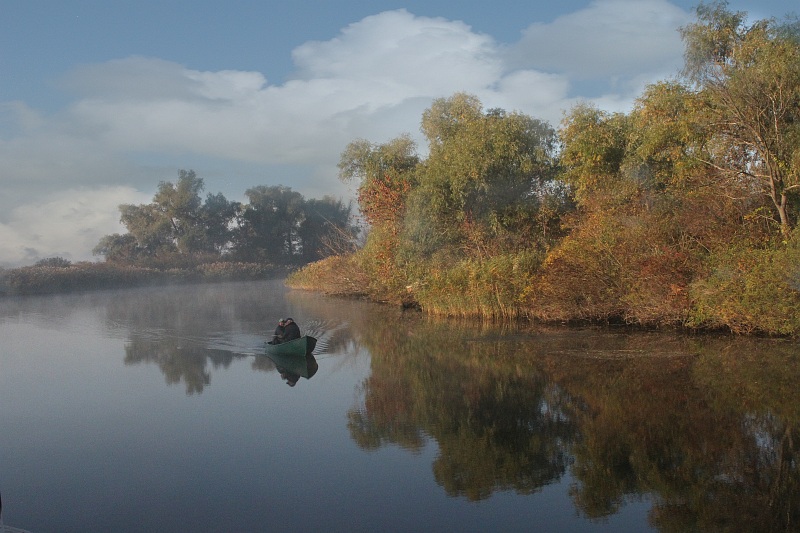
column 665, row 216
column 749, row 77
column 750, row 290
column 176, row 224
column 268, row 224
column 595, row 144
column 484, row 179
column 277, row 226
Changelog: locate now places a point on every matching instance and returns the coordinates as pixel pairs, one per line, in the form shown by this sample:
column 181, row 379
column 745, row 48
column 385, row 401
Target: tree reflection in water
column 705, row 427
column 184, row 329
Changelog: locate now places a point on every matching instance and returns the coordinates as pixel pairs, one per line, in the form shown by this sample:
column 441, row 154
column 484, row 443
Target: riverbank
column 87, row 276
column 753, row 301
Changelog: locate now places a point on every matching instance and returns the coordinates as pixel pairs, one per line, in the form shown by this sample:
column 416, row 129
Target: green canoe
column 299, row 347
column 293, row 359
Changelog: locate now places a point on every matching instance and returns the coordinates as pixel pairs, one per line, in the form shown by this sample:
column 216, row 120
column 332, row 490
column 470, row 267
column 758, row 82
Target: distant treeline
column 682, row 212
column 277, row 226
column 178, row 237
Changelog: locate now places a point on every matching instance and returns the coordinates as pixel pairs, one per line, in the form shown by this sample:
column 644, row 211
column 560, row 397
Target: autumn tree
column 386, row 174
column 749, row 78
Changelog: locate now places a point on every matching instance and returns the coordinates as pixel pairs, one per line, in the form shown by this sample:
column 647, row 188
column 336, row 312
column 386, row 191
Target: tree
column 595, row 145
column 325, row 229
column 386, row 174
column 749, row 77
column 53, row 262
column 117, row 248
column 269, row 223
column 216, row 220
column 482, row 185
column 175, row 224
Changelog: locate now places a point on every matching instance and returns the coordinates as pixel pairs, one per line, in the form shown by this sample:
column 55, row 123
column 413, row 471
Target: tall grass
column 491, row 288
column 339, row 275
column 84, row 276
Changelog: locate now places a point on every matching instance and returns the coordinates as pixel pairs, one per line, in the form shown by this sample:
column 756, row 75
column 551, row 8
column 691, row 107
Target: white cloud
column 68, row 224
column 373, row 80
column 609, row 39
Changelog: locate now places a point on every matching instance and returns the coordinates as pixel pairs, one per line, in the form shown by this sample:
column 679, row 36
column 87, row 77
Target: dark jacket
column 291, row 331
column 277, row 337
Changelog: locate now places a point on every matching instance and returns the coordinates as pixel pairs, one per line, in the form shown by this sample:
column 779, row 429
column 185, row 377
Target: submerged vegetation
column 682, row 212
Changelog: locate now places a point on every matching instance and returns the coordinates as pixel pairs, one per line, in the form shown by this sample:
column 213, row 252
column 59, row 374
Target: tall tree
column 325, row 229
column 269, row 223
column 176, row 223
column 483, row 182
column 749, row 76
column 386, row 173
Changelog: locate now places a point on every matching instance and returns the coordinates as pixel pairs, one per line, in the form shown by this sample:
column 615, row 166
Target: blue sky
column 102, row 100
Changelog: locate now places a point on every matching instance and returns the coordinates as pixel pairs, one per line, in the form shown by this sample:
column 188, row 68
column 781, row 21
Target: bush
column 224, row 271
column 750, row 291
column 58, row 262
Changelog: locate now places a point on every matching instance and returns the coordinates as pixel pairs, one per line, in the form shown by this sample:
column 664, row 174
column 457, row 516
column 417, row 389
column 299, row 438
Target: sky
column 101, row 100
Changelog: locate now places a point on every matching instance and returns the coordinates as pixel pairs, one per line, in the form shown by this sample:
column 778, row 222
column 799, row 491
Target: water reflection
column 290, row 367
column 706, row 428
column 179, row 364
column 189, row 332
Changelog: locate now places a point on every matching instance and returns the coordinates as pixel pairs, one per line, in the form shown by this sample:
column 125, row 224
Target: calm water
column 153, row 410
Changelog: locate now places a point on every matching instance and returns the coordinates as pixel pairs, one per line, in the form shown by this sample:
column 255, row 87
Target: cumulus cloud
column 132, row 115
column 610, row 40
column 68, row 224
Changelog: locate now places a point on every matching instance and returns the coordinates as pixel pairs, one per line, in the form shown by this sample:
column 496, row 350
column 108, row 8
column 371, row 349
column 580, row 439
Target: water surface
column 155, row 409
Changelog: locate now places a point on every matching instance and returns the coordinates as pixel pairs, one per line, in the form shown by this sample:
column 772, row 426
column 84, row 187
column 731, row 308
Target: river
column 156, row 410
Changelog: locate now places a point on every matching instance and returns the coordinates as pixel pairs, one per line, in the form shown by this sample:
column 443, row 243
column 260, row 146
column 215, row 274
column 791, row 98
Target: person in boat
column 291, row 330
column 277, row 337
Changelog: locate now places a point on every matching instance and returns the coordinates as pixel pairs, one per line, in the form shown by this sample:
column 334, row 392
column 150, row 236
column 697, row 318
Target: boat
column 294, row 359
column 299, row 347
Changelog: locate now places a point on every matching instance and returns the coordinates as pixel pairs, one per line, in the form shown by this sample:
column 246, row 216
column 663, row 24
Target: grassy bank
column 746, row 291
column 85, row 276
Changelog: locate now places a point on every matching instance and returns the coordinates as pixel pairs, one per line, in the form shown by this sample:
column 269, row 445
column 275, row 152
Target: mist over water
column 155, row 409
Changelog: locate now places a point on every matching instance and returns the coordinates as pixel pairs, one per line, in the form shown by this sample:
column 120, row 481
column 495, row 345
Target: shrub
column 750, row 291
